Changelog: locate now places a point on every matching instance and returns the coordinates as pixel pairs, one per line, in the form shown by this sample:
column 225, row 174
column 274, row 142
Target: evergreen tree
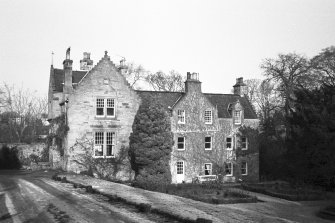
column 311, row 152
column 151, row 143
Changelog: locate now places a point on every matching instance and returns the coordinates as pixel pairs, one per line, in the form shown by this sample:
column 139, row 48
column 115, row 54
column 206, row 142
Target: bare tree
column 252, row 89
column 263, row 96
column 289, row 72
column 324, row 65
column 104, row 168
column 134, row 74
column 23, row 107
column 160, row 81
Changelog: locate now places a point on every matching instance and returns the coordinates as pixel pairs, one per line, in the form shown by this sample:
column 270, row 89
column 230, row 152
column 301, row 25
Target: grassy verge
column 285, row 192
column 213, row 192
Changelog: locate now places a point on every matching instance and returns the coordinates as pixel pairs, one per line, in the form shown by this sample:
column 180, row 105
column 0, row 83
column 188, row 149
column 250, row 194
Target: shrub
column 9, row 158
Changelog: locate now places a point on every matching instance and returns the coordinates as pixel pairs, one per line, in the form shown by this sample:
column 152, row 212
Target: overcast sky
column 221, row 40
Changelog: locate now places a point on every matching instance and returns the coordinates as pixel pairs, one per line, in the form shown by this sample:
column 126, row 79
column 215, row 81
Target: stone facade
column 203, row 125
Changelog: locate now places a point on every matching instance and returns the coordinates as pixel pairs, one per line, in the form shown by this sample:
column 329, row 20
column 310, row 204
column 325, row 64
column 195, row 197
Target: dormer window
column 237, row 117
column 208, row 117
column 181, row 116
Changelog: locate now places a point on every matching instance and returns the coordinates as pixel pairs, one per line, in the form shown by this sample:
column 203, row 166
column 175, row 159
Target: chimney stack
column 67, row 87
column 86, row 63
column 192, row 83
column 240, row 87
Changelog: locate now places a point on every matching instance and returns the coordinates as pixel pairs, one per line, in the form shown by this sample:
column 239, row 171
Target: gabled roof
column 58, row 78
column 220, row 101
column 167, row 98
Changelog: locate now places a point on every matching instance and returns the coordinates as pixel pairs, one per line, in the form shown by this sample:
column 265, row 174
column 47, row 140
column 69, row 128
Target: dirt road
column 34, row 197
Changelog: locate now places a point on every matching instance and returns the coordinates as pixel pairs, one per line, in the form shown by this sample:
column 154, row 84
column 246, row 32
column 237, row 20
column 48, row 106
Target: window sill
column 104, row 157
column 180, row 149
column 244, row 149
column 207, row 123
column 208, row 149
column 230, row 149
column 105, row 117
column 244, row 174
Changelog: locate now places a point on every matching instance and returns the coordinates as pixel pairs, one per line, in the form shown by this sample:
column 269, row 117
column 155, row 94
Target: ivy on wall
column 59, row 130
column 252, row 136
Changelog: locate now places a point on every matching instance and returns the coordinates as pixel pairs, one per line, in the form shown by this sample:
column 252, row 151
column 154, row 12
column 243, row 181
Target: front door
column 180, row 171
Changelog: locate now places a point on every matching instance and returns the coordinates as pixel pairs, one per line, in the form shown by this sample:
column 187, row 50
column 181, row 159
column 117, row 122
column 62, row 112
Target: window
column 110, row 107
column 208, row 143
column 105, row 107
column 229, row 143
column 99, row 144
column 110, row 143
column 181, row 143
column 208, row 117
column 180, row 167
column 237, row 117
column 181, row 116
column 208, row 169
column 104, row 144
column 244, row 168
column 100, row 107
column 244, row 143
column 229, row 169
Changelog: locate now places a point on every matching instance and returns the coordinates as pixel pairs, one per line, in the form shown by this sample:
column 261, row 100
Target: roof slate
column 168, row 99
column 220, row 101
column 59, row 78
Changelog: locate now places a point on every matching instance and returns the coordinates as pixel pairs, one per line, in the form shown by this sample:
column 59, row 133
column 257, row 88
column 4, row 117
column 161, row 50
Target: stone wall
column 103, row 81
column 25, row 150
column 194, row 130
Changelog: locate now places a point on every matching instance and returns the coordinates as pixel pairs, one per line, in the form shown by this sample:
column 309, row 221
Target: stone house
column 101, row 105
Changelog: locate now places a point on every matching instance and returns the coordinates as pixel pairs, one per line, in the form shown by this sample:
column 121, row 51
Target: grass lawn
column 214, row 193
column 285, row 191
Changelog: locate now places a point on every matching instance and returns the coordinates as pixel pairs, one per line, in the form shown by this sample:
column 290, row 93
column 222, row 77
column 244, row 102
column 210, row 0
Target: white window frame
column 209, row 169
column 231, row 143
column 110, row 142
column 211, row 142
column 246, row 168
column 181, row 116
column 244, row 143
column 99, row 141
column 208, row 116
column 237, row 118
column 182, row 167
column 105, row 107
column 105, row 143
column 184, row 144
column 231, row 168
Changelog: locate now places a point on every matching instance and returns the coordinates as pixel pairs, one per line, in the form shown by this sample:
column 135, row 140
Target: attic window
column 237, row 117
column 106, row 81
column 181, row 116
column 208, row 117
